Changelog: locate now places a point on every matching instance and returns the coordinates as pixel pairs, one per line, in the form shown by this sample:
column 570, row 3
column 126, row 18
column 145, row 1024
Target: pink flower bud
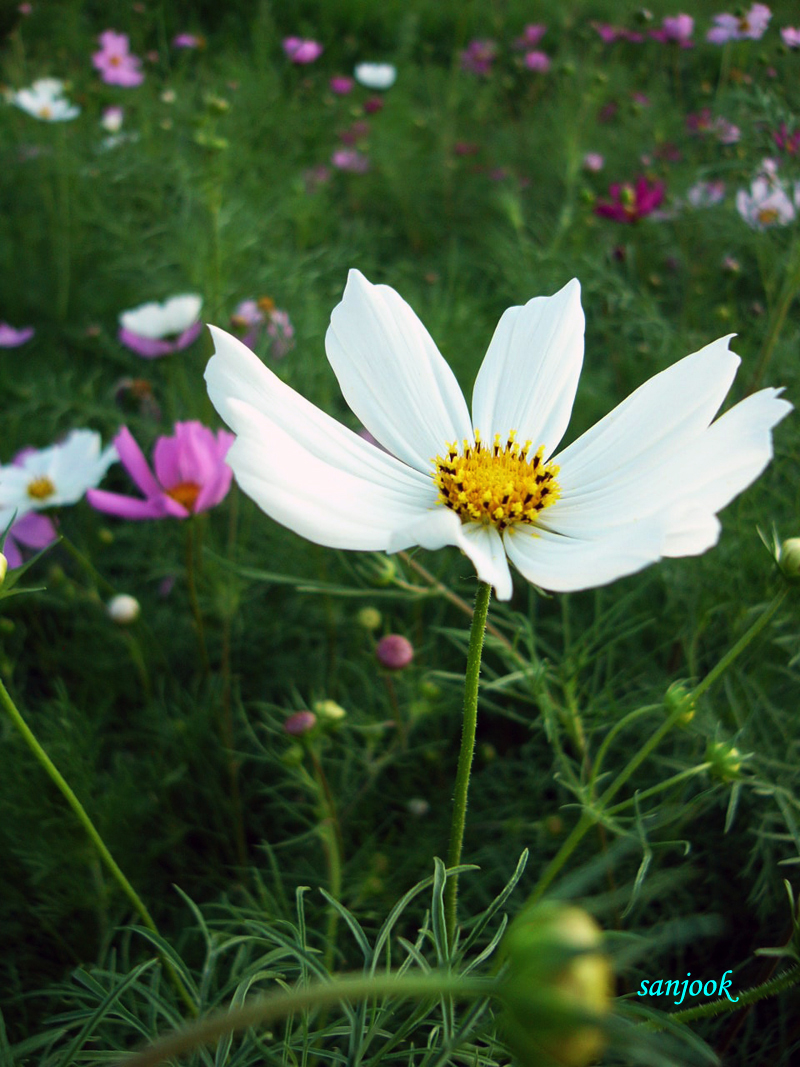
column 300, row 723
column 394, row 652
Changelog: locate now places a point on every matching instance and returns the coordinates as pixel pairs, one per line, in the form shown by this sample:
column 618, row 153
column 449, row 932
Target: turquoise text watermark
column 663, row 987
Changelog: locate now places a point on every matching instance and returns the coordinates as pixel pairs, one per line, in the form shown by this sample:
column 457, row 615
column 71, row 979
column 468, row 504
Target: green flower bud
column 369, row 618
column 789, row 557
column 384, row 571
column 725, row 760
column 293, row 756
column 558, row 986
column 3, row 568
column 674, row 697
column 329, row 710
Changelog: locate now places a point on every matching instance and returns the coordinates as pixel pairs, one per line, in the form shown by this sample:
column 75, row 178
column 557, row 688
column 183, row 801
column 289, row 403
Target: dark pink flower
column 394, row 652
column 114, row 61
column 351, row 160
column 188, row 40
column 788, row 142
column 677, row 29
column 300, row 723
column 32, row 531
column 354, row 133
column 466, row 148
column 341, row 84
column 191, row 474
column 373, row 104
column 302, row 51
column 630, row 203
column 537, row 61
column 478, row 57
column 11, row 338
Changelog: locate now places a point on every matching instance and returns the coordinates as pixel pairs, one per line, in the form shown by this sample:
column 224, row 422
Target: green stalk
column 116, row 872
column 588, row 818
column 777, row 319
column 744, row 1000
column 192, row 554
column 468, row 728
column 267, row 1009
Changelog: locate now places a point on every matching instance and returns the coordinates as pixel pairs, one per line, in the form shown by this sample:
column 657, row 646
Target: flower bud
column 384, row 570
column 123, row 609
column 674, row 697
column 557, row 987
column 394, row 652
column 725, row 760
column 369, row 618
column 293, row 756
column 300, row 723
column 418, row 806
column 330, row 710
column 3, row 568
column 789, row 557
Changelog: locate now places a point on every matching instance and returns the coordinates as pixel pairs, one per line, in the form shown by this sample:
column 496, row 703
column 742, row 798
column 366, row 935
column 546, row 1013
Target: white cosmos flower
column 45, row 100
column 60, row 474
column 376, row 75
column 645, row 482
column 156, row 321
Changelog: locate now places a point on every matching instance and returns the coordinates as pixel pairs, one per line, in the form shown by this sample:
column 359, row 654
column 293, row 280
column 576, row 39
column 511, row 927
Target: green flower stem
column 467, row 750
column 744, row 1000
column 192, row 556
column 777, row 319
column 87, row 565
column 267, row 1009
column 331, row 833
column 588, row 818
column 653, row 790
column 60, row 782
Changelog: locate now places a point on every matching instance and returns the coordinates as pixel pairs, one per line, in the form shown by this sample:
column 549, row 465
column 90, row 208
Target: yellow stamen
column 767, row 215
column 41, row 488
column 45, row 112
column 498, row 484
column 186, row 493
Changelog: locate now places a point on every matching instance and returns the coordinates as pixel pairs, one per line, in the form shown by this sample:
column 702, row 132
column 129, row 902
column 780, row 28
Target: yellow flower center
column 767, row 215
column 495, row 484
column 41, row 488
column 186, row 493
column 45, row 112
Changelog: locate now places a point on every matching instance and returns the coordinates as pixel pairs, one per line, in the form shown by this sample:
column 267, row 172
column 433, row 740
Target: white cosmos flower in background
column 154, row 329
column 45, row 100
column 376, row 75
column 60, row 474
column 645, row 482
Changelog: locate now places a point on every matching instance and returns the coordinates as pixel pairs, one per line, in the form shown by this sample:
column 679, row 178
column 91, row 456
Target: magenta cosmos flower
column 153, row 330
column 675, row 28
column 301, row 51
column 115, row 63
column 751, row 26
column 11, row 338
column 630, row 203
column 478, row 57
column 191, row 474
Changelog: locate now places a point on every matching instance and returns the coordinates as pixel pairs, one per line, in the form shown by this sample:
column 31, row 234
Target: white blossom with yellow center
column 45, row 100
column 57, row 475
column 643, row 483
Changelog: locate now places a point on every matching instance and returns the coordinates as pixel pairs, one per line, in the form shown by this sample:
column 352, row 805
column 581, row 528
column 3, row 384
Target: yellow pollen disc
column 767, row 215
column 501, row 484
column 186, row 493
column 45, row 112
column 41, row 488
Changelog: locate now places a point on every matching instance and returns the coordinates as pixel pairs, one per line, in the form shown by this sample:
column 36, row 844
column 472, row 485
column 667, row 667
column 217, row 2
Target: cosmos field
column 379, row 684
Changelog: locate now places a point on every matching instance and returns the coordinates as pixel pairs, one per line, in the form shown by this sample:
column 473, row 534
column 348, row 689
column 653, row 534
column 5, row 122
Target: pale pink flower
column 751, row 26
column 281, row 331
column 677, row 29
column 111, row 119
column 537, row 61
column 706, row 194
column 791, row 36
column 11, row 338
column 187, row 40
column 478, row 56
column 32, row 531
column 302, row 51
column 609, row 33
column 531, row 35
column 115, row 63
column 350, row 159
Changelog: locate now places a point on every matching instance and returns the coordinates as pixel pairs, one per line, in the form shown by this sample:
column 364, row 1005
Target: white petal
column 566, row 564
column 529, row 376
column 392, row 374
column 440, row 527
column 315, row 498
column 672, row 407
column 234, row 372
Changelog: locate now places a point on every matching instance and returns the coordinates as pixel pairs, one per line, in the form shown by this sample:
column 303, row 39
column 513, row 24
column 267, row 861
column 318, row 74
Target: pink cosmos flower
column 350, row 159
column 187, row 40
column 281, row 331
column 791, row 36
column 478, row 56
column 31, row 531
column 610, row 34
column 706, row 194
column 677, row 29
column 114, row 61
column 11, row 338
column 341, row 84
column 630, row 203
column 153, row 330
column 750, row 26
column 248, row 317
column 537, row 61
column 593, row 162
column 531, row 35
column 191, row 474
column 302, row 51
